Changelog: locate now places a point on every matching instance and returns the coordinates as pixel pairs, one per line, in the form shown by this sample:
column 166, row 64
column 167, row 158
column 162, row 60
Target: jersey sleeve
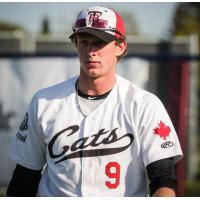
column 157, row 134
column 28, row 147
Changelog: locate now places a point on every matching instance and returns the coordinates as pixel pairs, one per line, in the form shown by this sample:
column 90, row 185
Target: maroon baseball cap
column 100, row 21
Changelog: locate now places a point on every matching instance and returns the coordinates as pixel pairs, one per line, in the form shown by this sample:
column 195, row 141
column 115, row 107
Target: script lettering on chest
column 89, row 146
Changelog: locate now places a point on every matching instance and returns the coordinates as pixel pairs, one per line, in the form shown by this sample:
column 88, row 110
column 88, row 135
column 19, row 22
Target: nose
column 91, row 49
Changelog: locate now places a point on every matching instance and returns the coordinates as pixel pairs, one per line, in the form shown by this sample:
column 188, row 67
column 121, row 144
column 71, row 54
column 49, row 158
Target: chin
column 93, row 76
column 92, row 73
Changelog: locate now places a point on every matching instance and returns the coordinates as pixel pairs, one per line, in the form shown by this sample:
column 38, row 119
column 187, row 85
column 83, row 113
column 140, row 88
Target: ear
column 120, row 48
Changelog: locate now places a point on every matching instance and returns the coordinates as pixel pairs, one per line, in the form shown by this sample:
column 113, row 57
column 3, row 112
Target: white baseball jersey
column 102, row 154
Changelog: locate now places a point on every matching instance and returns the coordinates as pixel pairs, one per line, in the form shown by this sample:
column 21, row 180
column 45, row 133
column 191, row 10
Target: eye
column 83, row 42
column 100, row 43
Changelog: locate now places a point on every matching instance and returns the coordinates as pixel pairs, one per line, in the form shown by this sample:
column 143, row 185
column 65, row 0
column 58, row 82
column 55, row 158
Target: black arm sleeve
column 162, row 173
column 24, row 182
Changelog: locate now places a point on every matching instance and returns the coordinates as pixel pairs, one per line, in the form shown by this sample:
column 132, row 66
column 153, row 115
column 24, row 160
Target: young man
column 96, row 134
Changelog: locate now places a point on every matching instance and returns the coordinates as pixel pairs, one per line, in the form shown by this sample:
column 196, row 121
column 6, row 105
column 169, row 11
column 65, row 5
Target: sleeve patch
column 162, row 130
column 24, row 124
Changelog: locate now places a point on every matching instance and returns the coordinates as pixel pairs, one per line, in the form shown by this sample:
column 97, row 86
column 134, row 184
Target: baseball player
column 96, row 134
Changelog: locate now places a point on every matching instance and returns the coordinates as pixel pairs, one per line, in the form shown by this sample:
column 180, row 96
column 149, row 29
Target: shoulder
column 52, row 95
column 59, row 90
column 49, row 100
column 132, row 92
column 138, row 100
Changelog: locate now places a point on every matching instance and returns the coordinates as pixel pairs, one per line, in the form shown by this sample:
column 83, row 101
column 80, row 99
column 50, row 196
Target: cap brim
column 96, row 32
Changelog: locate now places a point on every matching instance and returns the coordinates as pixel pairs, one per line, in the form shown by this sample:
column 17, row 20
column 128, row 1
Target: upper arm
column 28, row 147
column 156, row 131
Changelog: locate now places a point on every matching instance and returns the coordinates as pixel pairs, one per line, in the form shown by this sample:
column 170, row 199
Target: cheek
column 80, row 54
column 110, row 55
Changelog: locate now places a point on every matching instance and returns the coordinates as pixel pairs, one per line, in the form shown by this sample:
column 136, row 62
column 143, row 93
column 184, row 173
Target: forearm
column 164, row 192
column 24, row 182
column 162, row 178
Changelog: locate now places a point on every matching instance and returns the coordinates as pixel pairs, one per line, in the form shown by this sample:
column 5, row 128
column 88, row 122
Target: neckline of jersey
column 90, row 97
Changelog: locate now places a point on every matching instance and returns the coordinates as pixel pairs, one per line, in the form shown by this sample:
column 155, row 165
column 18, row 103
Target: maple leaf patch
column 162, row 130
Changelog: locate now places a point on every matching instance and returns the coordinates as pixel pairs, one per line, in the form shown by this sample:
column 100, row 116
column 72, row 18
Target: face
column 97, row 58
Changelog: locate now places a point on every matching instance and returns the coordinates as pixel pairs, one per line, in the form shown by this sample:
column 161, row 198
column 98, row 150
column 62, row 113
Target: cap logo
column 94, row 16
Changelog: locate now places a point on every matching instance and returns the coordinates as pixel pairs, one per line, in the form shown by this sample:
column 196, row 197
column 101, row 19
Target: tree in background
column 6, row 26
column 130, row 23
column 45, row 28
column 186, row 21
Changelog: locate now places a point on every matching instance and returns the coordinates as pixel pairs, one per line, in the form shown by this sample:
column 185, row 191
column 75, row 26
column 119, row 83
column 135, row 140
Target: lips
column 92, row 61
column 92, row 64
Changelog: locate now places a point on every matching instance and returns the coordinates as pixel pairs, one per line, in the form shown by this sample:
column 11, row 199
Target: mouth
column 92, row 62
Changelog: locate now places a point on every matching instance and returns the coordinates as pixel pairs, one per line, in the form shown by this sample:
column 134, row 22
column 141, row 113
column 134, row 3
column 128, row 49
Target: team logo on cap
column 162, row 130
column 94, row 16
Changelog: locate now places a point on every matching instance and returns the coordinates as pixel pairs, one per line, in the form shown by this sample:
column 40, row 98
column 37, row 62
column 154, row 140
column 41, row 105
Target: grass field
column 3, row 191
column 192, row 189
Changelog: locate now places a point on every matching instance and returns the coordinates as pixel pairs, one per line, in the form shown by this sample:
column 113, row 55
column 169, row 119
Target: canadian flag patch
column 162, row 130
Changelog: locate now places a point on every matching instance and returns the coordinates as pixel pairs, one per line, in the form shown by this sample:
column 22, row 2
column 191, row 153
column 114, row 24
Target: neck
column 96, row 86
